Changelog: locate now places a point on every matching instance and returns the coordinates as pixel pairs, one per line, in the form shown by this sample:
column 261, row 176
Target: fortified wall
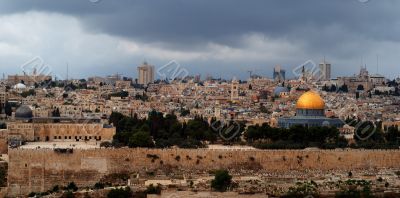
column 38, row 170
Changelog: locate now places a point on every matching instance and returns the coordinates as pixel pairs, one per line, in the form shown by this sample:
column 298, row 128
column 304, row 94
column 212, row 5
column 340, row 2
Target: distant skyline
column 223, row 38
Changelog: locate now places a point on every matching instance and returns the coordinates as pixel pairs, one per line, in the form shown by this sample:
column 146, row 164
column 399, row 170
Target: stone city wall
column 38, row 170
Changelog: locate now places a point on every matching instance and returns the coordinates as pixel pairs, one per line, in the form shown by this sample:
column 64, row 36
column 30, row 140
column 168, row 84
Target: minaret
column 234, row 90
column 217, row 110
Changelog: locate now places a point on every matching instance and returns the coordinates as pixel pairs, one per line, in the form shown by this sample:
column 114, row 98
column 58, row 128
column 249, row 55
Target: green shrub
column 106, row 144
column 120, row 193
column 98, row 185
column 221, row 181
column 56, row 188
column 72, row 186
column 68, row 194
column 151, row 189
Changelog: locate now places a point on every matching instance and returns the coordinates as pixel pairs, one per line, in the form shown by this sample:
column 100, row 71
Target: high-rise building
column 325, row 69
column 145, row 74
column 279, row 74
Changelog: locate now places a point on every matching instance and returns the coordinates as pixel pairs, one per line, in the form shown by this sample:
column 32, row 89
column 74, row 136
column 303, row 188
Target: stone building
column 25, row 127
column 123, row 84
column 28, row 79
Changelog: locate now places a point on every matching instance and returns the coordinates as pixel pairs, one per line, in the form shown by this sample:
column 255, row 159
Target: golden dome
column 310, row 100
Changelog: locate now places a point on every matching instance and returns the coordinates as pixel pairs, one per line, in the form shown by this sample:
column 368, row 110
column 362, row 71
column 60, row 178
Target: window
column 55, row 137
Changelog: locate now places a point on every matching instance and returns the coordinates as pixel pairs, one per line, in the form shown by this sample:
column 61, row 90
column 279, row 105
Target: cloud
column 225, row 36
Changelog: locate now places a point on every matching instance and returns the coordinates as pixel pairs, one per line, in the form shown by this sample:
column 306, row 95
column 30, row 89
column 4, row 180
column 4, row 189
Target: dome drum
column 310, row 112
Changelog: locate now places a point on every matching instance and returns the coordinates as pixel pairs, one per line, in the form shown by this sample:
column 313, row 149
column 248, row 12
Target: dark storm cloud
column 220, row 21
column 340, row 29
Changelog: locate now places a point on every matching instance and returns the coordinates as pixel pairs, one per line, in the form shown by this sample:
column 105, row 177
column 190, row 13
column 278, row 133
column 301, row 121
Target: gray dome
column 279, row 90
column 23, row 112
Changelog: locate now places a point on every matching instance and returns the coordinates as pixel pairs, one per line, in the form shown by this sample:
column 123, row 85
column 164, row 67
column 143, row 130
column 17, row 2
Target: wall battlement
column 38, row 170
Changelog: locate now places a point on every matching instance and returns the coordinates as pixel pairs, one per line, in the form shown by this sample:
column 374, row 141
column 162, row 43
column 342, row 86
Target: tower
column 325, row 69
column 279, row 74
column 145, row 74
column 234, row 90
column 217, row 110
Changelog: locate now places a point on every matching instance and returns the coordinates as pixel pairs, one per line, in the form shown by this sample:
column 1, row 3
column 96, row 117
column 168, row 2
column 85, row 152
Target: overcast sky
column 218, row 37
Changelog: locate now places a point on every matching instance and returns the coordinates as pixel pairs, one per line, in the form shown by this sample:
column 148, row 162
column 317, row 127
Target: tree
column 105, row 144
column 3, row 176
column 8, row 109
column 98, row 185
column 72, row 186
column 263, row 109
column 185, row 112
column 114, row 119
column 122, row 94
column 142, row 97
column 151, row 189
column 221, row 181
column 141, row 139
column 56, row 188
column 68, row 194
column 120, row 193
column 344, row 88
column 392, row 134
column 56, row 113
column 325, row 88
column 333, row 88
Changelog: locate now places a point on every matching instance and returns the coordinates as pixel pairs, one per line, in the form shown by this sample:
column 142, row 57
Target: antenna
column 377, row 64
